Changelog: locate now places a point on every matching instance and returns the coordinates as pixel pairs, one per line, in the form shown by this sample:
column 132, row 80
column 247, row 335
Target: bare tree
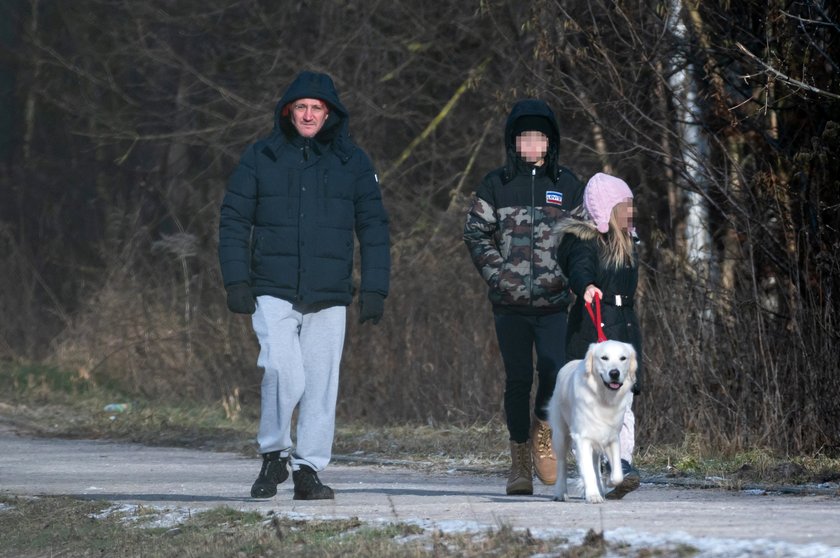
column 723, row 116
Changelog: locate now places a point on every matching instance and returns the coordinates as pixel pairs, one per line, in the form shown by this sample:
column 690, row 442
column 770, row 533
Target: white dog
column 587, row 409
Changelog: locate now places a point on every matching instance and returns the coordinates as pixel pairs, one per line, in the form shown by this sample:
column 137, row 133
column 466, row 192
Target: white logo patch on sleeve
column 554, row 198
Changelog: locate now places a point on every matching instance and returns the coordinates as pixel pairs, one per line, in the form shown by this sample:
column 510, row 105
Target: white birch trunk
column 694, row 149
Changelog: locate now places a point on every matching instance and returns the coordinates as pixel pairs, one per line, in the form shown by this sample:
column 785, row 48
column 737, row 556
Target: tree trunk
column 29, row 106
column 694, row 151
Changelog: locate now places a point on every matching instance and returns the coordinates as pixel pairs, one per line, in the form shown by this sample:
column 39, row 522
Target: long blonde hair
column 617, row 244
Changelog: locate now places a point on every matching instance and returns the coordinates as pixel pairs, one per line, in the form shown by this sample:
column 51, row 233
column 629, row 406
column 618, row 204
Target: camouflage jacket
column 509, row 228
column 509, row 233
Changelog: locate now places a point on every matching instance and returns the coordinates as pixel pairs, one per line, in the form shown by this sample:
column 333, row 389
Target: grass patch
column 49, row 401
column 756, row 466
column 479, row 446
column 67, row 527
column 34, row 380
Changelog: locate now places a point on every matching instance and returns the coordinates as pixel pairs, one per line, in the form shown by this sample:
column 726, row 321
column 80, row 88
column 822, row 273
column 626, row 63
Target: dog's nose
column 614, row 374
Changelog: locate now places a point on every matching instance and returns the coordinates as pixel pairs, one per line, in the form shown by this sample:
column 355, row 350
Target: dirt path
column 720, row 523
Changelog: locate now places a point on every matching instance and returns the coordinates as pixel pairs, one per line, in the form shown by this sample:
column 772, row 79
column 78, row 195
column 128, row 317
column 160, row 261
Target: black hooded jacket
column 508, row 229
column 293, row 204
column 580, row 256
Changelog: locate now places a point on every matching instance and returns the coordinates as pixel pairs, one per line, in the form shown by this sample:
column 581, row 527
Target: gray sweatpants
column 300, row 355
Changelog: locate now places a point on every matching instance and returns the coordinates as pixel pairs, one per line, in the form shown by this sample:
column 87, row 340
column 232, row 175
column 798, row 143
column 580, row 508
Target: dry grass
column 58, row 526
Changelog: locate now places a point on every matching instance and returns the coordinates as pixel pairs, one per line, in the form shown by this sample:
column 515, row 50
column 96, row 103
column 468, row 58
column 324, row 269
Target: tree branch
column 785, row 78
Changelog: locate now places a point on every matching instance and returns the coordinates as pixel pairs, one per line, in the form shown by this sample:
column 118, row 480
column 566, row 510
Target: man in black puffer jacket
column 286, row 248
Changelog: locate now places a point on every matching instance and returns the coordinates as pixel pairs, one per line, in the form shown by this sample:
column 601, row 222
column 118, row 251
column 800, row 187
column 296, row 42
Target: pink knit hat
column 603, row 192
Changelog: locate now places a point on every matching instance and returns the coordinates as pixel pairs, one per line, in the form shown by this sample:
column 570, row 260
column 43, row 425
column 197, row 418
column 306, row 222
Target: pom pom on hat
column 603, row 192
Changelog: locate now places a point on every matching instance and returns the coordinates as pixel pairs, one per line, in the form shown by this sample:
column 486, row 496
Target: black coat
column 293, row 204
column 581, row 260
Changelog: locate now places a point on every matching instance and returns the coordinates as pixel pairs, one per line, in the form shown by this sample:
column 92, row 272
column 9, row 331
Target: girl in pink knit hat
column 598, row 256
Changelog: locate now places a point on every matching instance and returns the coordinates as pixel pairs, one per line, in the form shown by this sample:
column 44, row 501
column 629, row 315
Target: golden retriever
column 587, row 409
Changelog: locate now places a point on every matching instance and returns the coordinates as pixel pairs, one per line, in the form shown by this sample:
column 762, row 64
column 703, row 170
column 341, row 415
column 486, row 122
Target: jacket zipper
column 533, row 218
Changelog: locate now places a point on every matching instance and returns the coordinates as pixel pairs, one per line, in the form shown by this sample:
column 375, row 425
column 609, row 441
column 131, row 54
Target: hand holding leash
column 590, row 293
column 596, row 316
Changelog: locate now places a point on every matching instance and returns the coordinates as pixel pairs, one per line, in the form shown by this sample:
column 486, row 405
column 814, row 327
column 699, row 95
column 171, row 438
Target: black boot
column 275, row 469
column 629, row 484
column 309, row 487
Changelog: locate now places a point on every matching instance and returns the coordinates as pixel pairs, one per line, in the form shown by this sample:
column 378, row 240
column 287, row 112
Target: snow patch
column 633, row 540
column 721, row 548
column 162, row 517
column 147, row 517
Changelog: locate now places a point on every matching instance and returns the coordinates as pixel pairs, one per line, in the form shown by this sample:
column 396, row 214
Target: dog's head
column 612, row 363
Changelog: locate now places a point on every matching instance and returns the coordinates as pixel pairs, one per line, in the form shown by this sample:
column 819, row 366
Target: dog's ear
column 590, row 359
column 634, row 364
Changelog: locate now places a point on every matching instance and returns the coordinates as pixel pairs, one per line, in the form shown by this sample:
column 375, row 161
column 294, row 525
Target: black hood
column 311, row 85
column 532, row 108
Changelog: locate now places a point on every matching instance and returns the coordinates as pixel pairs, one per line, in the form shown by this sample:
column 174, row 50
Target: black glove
column 240, row 299
column 371, row 307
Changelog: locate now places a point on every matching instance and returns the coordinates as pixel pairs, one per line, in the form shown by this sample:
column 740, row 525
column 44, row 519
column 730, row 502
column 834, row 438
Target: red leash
column 596, row 316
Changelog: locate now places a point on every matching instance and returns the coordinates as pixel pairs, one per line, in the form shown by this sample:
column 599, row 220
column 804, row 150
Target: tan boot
column 519, row 480
column 542, row 452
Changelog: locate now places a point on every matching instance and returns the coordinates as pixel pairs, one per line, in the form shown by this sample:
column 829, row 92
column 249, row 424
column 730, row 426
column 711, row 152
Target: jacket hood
column 581, row 225
column 532, row 108
column 584, row 229
column 336, row 129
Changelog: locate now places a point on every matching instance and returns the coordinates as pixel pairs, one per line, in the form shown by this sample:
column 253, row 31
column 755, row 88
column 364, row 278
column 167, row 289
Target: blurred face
column 623, row 213
column 308, row 116
column 532, row 146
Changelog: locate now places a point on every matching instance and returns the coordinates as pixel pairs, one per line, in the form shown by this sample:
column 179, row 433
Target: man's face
column 532, row 146
column 308, row 116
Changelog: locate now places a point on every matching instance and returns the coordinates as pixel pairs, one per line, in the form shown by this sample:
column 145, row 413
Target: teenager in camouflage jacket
column 508, row 232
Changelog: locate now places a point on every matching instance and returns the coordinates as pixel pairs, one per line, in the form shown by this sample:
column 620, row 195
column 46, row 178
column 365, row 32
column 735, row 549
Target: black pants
column 518, row 335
